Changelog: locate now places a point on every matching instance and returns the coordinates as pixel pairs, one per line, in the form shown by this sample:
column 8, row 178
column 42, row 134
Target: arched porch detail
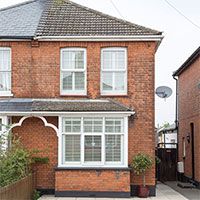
column 40, row 117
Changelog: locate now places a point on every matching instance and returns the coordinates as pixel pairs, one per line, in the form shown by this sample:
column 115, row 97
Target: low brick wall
column 102, row 183
column 22, row 190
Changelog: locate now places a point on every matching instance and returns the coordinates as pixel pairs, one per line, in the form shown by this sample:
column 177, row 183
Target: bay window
column 5, row 71
column 73, row 71
column 94, row 141
column 114, row 71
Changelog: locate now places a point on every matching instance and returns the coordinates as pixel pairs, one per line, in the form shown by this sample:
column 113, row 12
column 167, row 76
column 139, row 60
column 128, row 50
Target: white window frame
column 73, row 91
column 103, row 163
column 3, row 129
column 114, row 92
column 8, row 93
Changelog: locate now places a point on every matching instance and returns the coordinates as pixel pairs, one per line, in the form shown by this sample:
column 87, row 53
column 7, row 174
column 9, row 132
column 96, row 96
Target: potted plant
column 140, row 163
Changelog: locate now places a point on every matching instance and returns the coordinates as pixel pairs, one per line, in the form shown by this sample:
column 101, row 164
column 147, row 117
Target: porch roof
column 60, row 105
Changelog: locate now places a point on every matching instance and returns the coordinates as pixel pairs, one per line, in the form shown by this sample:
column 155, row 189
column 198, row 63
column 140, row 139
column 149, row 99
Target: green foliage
column 140, row 163
column 36, row 195
column 158, row 161
column 40, row 160
column 14, row 164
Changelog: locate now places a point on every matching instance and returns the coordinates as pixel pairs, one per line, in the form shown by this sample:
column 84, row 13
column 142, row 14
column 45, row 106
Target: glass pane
column 113, row 148
column 119, row 62
column 107, row 60
column 92, row 148
column 79, row 81
column 72, row 125
column 5, row 60
column 93, row 125
column 114, row 125
column 107, row 80
column 72, row 148
column 5, row 81
column 67, row 80
column 119, row 80
column 73, row 60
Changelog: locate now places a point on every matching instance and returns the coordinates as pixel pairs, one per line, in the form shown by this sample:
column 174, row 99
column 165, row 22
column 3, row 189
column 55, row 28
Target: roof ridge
column 17, row 5
column 110, row 16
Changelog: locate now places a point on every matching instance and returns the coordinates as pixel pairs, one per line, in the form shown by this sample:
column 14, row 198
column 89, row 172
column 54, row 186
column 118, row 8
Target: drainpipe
column 176, row 119
column 176, row 109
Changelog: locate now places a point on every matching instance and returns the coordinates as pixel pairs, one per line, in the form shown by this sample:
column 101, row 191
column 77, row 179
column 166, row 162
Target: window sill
column 114, row 95
column 93, row 168
column 6, row 94
column 73, row 95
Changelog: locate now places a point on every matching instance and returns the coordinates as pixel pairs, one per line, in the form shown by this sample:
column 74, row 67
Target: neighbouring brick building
column 80, row 85
column 189, row 116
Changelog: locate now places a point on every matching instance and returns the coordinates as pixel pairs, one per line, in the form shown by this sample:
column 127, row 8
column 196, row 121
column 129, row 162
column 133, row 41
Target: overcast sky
column 181, row 36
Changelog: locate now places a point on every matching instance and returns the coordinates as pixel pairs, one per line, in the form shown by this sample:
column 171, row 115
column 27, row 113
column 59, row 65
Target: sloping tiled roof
column 60, row 105
column 63, row 18
column 21, row 20
column 188, row 62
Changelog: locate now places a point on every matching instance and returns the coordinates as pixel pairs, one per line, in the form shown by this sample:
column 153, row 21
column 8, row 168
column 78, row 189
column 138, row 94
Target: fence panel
column 20, row 190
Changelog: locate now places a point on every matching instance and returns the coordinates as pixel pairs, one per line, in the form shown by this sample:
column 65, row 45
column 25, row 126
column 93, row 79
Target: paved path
column 164, row 192
column 190, row 193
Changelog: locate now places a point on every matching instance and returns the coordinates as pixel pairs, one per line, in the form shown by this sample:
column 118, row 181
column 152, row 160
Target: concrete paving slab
column 164, row 192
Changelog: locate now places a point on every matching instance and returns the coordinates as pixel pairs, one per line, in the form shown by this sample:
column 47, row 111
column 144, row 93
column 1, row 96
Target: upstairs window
column 5, row 71
column 114, row 71
column 73, row 71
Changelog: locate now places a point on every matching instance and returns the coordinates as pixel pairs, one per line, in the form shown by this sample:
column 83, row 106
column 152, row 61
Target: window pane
column 67, row 80
column 114, row 125
column 113, row 59
column 107, row 60
column 72, row 148
column 72, row 125
column 93, row 125
column 119, row 80
column 92, row 148
column 79, row 81
column 107, row 79
column 5, row 60
column 73, row 60
column 119, row 62
column 5, row 81
column 113, row 148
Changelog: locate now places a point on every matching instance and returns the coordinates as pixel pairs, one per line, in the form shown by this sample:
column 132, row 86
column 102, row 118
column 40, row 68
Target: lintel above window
column 73, row 71
column 114, row 71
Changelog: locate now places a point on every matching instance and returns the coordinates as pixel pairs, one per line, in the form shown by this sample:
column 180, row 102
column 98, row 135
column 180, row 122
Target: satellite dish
column 164, row 92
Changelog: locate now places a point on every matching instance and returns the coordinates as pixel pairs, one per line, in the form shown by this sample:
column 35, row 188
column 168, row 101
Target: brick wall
column 189, row 112
column 93, row 180
column 34, row 135
column 36, row 73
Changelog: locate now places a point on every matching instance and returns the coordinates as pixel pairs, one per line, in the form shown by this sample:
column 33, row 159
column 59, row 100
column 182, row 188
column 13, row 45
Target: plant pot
column 143, row 191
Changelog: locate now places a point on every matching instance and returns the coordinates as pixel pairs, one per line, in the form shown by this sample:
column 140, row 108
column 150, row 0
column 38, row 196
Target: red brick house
column 79, row 83
column 189, row 116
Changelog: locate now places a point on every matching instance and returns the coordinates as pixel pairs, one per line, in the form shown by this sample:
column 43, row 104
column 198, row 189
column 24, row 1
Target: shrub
column 14, row 164
column 141, row 162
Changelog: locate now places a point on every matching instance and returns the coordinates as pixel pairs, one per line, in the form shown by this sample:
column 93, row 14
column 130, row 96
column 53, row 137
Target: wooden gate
column 167, row 168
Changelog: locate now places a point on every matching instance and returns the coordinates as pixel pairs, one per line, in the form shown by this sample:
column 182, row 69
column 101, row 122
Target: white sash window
column 5, row 71
column 114, row 71
column 73, row 71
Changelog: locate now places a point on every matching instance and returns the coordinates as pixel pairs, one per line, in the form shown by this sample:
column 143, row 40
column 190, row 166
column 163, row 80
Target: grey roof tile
column 59, row 105
column 63, row 18
column 21, row 20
